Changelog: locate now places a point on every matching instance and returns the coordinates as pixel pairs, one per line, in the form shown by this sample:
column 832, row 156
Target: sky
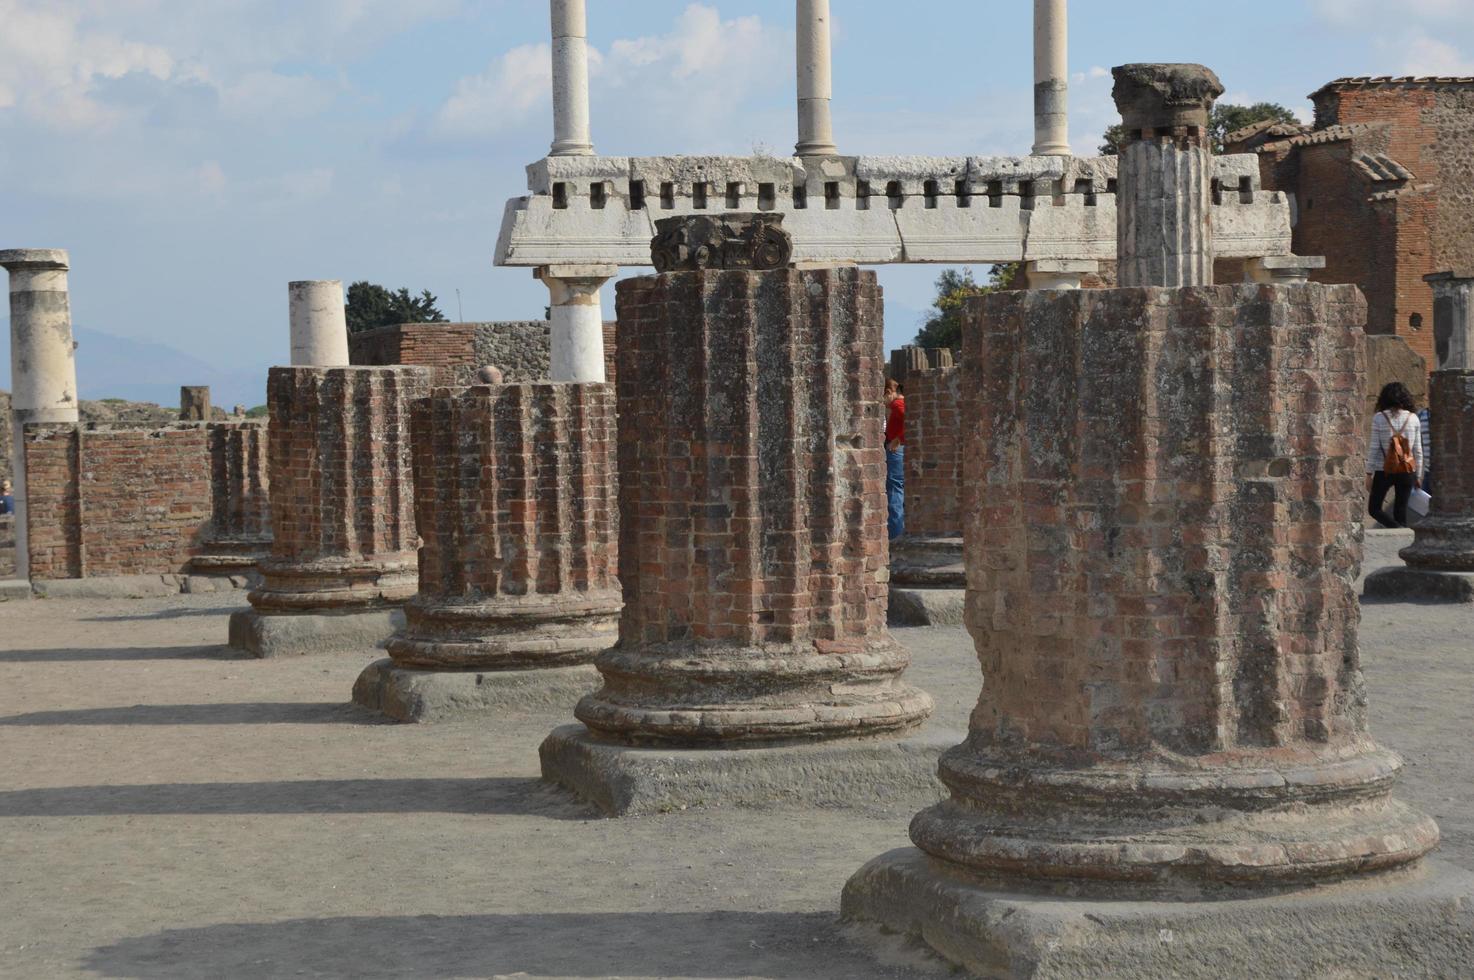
column 196, row 155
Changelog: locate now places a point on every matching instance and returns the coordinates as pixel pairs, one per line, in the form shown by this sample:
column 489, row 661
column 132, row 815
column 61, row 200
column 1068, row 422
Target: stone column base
column 424, row 696
column 624, row 780
column 1410, row 584
column 928, row 561
column 926, row 607
column 1408, row 923
column 268, row 635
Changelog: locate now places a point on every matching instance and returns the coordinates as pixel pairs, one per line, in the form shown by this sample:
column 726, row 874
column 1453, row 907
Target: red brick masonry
column 515, row 500
column 342, row 498
column 752, row 512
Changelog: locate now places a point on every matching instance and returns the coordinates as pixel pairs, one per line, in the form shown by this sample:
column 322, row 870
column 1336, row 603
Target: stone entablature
column 866, row 210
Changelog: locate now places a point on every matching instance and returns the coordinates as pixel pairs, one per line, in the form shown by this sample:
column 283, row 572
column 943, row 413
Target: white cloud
column 1427, row 56
column 710, row 60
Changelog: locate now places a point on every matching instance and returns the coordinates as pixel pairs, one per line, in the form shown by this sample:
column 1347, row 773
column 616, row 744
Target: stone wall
column 934, row 452
column 115, row 502
column 456, row 351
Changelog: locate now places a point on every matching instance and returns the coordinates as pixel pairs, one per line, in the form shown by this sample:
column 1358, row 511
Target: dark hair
column 1396, row 395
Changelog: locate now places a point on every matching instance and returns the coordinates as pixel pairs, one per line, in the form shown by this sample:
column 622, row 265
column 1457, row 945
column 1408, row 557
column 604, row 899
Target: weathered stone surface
column 752, row 501
column 269, row 635
column 342, row 505
column 1418, row 924
column 514, row 498
column 194, row 403
column 1162, row 543
column 926, row 607
column 1453, row 319
column 428, row 696
column 624, row 780
column 1166, row 96
column 730, row 241
column 1389, row 358
column 239, row 533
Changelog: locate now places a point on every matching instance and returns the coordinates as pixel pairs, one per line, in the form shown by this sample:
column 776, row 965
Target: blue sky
column 196, row 155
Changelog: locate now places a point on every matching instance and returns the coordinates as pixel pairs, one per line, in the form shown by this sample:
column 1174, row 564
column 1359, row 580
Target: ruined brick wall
column 6, row 451
column 515, row 490
column 934, row 452
column 115, row 502
column 521, row 348
column 1386, row 237
column 1163, row 494
column 751, row 471
column 448, row 348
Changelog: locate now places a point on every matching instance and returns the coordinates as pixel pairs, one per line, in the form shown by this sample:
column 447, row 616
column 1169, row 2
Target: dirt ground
column 167, row 810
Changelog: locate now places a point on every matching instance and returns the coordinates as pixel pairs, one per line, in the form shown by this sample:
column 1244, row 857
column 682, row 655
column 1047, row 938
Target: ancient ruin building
column 1383, row 187
column 752, row 549
column 520, row 349
column 1170, row 751
column 518, row 588
column 342, row 557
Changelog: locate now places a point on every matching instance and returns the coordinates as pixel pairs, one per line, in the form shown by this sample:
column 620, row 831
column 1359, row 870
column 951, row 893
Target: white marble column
column 1059, row 273
column 1051, row 78
column 570, row 80
column 319, row 323
column 43, row 365
column 577, row 320
column 815, row 80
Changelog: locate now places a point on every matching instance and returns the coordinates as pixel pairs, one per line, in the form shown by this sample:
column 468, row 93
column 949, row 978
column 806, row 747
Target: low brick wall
column 115, row 502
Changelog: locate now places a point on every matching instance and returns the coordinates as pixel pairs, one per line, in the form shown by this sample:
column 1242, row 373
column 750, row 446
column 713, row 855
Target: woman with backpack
column 1394, row 454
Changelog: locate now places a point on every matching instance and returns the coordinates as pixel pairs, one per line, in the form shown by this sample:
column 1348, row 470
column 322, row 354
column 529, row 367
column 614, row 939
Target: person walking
column 895, row 458
column 1394, row 455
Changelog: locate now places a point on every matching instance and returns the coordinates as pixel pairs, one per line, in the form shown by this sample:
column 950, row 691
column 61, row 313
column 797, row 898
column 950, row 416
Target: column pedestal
column 514, row 492
column 342, row 512
column 752, row 550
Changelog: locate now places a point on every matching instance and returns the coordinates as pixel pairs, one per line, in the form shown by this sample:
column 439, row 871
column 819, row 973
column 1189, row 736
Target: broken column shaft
column 514, row 498
column 1170, row 751
column 1051, row 78
column 43, row 367
column 343, row 551
column 239, row 533
column 815, row 80
column 570, row 79
column 752, row 544
column 319, row 323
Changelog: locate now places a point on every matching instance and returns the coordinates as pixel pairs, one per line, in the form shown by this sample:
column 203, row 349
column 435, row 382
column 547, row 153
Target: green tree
column 1226, row 118
column 943, row 327
column 371, row 306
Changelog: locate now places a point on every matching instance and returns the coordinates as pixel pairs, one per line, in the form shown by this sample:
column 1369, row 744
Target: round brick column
column 342, row 514
column 929, row 554
column 239, row 533
column 1444, row 541
column 514, row 492
column 752, row 508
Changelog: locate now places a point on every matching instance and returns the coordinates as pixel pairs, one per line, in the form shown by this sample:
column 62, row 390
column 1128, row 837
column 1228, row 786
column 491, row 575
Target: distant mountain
column 141, row 371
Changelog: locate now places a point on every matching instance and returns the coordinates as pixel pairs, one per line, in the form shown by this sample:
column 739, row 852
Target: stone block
column 428, row 696
column 268, row 635
column 1409, row 584
column 1399, row 924
column 926, row 607
column 627, row 780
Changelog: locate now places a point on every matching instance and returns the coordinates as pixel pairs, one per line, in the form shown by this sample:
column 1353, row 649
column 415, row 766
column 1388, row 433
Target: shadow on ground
column 783, row 946
column 491, row 795
column 62, row 655
column 179, row 612
column 247, row 713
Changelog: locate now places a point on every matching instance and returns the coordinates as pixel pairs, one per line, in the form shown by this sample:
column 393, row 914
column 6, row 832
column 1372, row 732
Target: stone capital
column 1165, row 96
column 33, row 259
column 575, row 284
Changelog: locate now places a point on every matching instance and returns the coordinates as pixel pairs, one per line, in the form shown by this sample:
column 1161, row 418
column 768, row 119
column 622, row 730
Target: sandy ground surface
column 169, row 811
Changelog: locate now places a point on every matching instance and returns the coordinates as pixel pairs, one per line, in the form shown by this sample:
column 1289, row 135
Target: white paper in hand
column 1420, row 502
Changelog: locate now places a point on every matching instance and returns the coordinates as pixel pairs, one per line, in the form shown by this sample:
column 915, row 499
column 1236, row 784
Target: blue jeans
column 895, row 491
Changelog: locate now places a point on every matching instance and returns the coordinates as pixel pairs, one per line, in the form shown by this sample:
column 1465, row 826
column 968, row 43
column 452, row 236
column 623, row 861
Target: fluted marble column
column 571, row 135
column 43, row 367
column 1164, row 199
column 815, row 80
column 1051, row 78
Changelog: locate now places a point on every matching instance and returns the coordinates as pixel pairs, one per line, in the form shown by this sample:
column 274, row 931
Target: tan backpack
column 1399, row 456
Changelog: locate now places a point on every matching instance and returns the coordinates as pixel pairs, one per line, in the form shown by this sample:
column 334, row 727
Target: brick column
column 239, row 533
column 515, row 501
column 752, row 529
column 1162, row 541
column 194, row 403
column 342, row 511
